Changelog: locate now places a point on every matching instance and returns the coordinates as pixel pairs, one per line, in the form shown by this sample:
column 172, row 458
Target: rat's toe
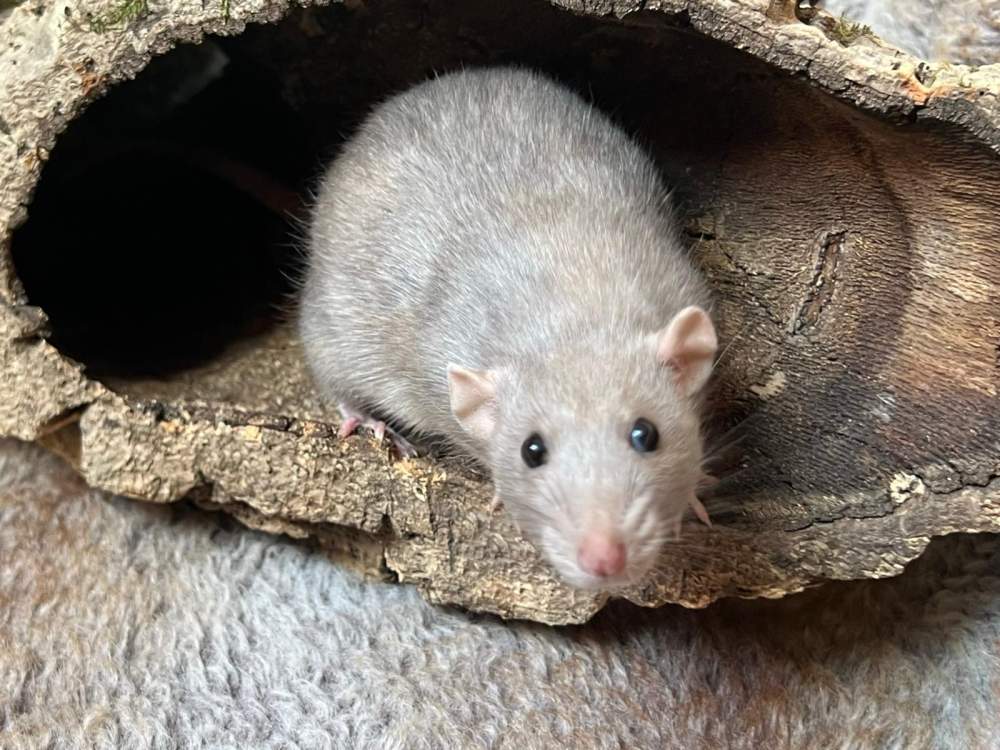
column 348, row 427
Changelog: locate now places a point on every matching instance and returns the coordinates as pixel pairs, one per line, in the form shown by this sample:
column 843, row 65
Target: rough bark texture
column 844, row 200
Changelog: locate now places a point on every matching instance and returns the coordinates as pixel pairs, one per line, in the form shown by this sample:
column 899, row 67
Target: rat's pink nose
column 601, row 555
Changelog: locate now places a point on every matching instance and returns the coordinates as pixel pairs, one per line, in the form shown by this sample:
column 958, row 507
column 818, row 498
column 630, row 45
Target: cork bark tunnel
column 844, row 202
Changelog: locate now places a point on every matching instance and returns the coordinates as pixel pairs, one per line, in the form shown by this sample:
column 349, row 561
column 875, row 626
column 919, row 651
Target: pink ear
column 687, row 346
column 473, row 400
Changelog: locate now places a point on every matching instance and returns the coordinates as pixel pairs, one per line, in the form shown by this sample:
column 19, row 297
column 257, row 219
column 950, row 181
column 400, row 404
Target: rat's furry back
column 485, row 218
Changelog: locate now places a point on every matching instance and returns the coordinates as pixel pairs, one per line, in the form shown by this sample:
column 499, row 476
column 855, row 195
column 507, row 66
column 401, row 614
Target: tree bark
column 842, row 197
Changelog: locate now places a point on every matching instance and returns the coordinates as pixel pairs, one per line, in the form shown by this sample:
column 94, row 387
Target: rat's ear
column 473, row 400
column 687, row 346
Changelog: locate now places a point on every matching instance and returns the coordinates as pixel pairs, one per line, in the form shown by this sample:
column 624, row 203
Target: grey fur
column 493, row 219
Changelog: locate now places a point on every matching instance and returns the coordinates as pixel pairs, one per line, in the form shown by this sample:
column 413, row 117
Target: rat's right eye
column 533, row 451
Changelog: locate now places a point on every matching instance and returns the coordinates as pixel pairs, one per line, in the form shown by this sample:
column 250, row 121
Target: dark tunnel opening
column 147, row 245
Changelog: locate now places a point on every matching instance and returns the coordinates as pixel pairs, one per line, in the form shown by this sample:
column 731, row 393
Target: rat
column 492, row 261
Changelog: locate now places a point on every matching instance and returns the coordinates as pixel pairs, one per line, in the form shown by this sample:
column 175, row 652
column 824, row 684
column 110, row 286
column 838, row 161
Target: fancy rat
column 492, row 261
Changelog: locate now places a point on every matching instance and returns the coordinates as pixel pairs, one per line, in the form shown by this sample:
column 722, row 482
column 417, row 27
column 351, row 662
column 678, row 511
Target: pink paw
column 353, row 420
column 348, row 427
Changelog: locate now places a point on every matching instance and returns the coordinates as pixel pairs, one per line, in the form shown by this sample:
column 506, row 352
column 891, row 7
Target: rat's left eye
column 533, row 451
column 644, row 436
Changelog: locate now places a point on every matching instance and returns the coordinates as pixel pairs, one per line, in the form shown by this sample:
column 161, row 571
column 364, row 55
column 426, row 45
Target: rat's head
column 596, row 456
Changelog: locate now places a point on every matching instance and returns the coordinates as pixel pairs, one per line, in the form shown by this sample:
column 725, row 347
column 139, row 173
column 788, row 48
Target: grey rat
column 493, row 262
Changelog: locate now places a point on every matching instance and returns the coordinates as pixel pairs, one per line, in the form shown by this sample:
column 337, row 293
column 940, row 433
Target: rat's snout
column 602, row 555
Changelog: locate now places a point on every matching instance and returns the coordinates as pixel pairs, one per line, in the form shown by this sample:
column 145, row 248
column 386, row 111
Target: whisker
column 729, row 345
column 718, row 447
column 792, row 281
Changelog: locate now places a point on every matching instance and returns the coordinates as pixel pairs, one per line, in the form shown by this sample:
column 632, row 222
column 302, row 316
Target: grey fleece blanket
column 125, row 625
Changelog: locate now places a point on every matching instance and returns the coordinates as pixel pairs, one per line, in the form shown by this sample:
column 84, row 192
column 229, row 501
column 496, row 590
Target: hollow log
column 842, row 197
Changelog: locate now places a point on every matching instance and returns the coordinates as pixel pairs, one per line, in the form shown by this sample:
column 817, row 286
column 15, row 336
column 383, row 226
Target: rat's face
column 597, row 459
column 596, row 476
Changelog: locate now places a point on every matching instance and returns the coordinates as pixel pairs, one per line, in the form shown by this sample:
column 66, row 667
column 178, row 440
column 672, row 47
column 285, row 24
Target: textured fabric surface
column 956, row 31
column 135, row 626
